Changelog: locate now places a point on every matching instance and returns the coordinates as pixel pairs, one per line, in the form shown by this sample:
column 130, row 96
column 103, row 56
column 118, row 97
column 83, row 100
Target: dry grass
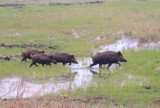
column 44, row 1
column 138, row 20
column 52, row 102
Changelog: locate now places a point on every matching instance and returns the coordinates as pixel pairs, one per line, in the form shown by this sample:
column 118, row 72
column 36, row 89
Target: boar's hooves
column 30, row 66
column 64, row 64
column 119, row 64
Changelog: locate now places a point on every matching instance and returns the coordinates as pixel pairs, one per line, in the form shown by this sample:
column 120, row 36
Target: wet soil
column 157, row 102
column 28, row 46
column 126, row 44
column 82, row 78
column 15, row 5
column 66, row 4
column 21, row 4
column 10, row 57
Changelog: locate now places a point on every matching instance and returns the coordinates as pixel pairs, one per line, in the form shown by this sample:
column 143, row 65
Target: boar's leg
column 70, row 63
column 118, row 63
column 49, row 64
column 64, row 64
column 100, row 65
column 33, row 64
column 24, row 59
column 46, row 64
column 36, row 64
column 92, row 64
column 109, row 65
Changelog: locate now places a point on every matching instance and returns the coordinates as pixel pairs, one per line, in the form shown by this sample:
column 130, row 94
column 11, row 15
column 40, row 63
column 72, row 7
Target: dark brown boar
column 27, row 54
column 64, row 58
column 107, row 57
column 42, row 59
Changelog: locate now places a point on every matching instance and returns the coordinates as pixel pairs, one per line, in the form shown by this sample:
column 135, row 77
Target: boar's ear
column 72, row 56
column 119, row 53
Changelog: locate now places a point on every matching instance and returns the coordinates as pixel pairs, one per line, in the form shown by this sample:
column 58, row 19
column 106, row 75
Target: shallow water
column 125, row 44
column 13, row 87
column 84, row 73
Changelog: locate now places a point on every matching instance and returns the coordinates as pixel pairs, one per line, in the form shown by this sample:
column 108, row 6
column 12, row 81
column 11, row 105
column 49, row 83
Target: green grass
column 53, row 26
column 94, row 19
column 18, row 68
column 139, row 72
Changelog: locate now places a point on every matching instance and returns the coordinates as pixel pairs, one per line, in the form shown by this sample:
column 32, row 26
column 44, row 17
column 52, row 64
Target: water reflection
column 125, row 44
column 84, row 73
column 16, row 87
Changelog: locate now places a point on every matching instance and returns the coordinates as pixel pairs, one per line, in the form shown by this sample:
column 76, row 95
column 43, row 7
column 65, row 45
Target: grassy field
column 135, row 84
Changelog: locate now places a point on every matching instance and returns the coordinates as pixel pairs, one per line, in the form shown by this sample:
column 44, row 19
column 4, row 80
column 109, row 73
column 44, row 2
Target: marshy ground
column 80, row 28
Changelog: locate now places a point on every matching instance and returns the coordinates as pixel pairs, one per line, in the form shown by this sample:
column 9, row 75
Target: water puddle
column 84, row 73
column 14, row 87
column 125, row 44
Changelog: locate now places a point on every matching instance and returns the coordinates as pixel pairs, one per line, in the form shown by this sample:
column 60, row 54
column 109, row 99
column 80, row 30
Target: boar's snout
column 54, row 61
column 76, row 62
column 123, row 59
column 73, row 60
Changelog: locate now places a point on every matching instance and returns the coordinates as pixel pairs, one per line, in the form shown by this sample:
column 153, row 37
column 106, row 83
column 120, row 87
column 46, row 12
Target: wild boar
column 64, row 58
column 42, row 59
column 107, row 57
column 27, row 54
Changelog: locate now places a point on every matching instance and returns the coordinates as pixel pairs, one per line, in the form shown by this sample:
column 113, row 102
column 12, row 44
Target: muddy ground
column 25, row 46
column 62, row 102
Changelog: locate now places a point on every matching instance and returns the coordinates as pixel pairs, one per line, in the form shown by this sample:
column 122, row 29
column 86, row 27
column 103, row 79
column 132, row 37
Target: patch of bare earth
column 157, row 102
column 52, row 102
